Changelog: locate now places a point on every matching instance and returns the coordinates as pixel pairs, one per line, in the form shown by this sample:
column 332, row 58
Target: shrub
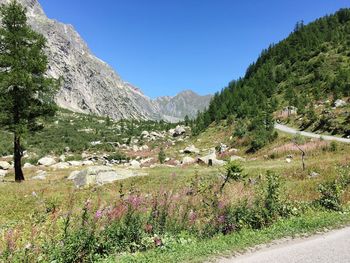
column 330, row 195
column 161, row 155
column 333, row 147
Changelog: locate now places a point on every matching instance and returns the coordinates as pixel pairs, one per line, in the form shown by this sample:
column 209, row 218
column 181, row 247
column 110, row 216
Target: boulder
column 208, row 159
column 28, row 165
column 60, row 166
column 188, row 160
column 314, row 174
column 4, row 165
column 339, row 103
column 100, row 175
column 75, row 163
column 211, row 160
column 177, row 162
column 88, row 163
column 135, row 164
column 156, row 134
column 135, row 148
column 144, row 148
column 236, row 158
column 145, row 134
column 46, row 161
column 40, row 175
column 62, row 158
column 3, row 173
column 73, row 175
column 191, row 149
column 178, row 131
column 223, row 148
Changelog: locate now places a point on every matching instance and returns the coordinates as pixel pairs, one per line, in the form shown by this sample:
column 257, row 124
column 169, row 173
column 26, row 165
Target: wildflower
column 221, row 219
column 98, row 214
column 158, row 241
column 135, row 201
column 28, row 246
column 221, row 205
column 88, row 204
column 192, row 216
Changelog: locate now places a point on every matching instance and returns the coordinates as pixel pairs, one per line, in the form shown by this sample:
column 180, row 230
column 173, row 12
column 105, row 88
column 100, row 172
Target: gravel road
column 331, row 247
column 287, row 129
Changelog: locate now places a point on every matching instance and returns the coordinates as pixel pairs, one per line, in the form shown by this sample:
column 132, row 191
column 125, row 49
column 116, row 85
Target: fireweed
column 138, row 222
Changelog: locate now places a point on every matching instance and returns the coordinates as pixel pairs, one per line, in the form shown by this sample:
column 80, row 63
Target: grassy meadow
column 178, row 213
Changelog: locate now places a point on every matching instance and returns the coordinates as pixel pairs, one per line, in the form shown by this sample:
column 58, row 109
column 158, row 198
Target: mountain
column 90, row 85
column 185, row 103
column 307, row 73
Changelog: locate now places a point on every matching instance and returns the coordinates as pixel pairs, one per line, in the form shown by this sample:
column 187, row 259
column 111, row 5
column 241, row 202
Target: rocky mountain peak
column 90, row 84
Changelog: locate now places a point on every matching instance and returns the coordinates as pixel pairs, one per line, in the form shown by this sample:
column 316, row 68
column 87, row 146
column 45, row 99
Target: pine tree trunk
column 17, row 158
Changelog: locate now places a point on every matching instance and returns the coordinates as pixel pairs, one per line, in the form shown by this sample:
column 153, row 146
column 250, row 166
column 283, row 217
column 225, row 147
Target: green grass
column 200, row 251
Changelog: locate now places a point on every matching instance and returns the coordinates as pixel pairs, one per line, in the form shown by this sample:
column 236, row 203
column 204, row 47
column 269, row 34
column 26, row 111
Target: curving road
column 331, row 247
column 287, row 129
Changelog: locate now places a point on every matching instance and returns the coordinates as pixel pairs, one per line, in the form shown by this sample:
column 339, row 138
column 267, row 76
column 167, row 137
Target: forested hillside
column 308, row 70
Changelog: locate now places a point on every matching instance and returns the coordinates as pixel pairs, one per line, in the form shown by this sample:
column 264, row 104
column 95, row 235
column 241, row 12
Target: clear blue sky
column 165, row 46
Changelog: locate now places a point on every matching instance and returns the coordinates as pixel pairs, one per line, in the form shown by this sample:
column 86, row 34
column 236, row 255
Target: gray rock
column 135, row 148
column 339, row 103
column 3, row 173
column 145, row 134
column 87, row 163
column 46, row 161
column 135, row 164
column 4, row 165
column 236, row 158
column 144, row 148
column 178, row 131
column 73, row 175
column 191, row 149
column 75, row 163
column 188, row 160
column 40, row 175
column 223, row 148
column 60, row 166
column 314, row 174
column 211, row 160
column 28, row 165
column 100, row 175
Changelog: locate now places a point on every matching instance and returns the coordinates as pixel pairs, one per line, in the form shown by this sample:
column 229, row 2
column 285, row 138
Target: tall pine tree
column 26, row 93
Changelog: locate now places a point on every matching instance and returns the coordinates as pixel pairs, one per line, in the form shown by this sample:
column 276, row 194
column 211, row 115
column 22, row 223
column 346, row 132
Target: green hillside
column 309, row 70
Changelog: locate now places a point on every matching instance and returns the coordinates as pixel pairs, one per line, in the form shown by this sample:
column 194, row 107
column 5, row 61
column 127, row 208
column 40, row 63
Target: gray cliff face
column 185, row 103
column 90, row 85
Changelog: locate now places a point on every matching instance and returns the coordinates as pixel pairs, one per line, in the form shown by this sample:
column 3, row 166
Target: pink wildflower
column 192, row 216
column 221, row 219
column 98, row 214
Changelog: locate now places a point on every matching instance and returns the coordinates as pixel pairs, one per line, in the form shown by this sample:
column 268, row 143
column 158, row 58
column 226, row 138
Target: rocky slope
column 90, row 85
column 185, row 103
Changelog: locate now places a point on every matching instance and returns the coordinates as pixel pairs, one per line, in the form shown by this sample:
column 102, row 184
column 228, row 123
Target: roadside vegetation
column 175, row 210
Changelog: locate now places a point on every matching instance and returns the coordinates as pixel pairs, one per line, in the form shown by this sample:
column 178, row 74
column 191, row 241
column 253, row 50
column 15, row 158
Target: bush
column 330, row 195
column 161, row 155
